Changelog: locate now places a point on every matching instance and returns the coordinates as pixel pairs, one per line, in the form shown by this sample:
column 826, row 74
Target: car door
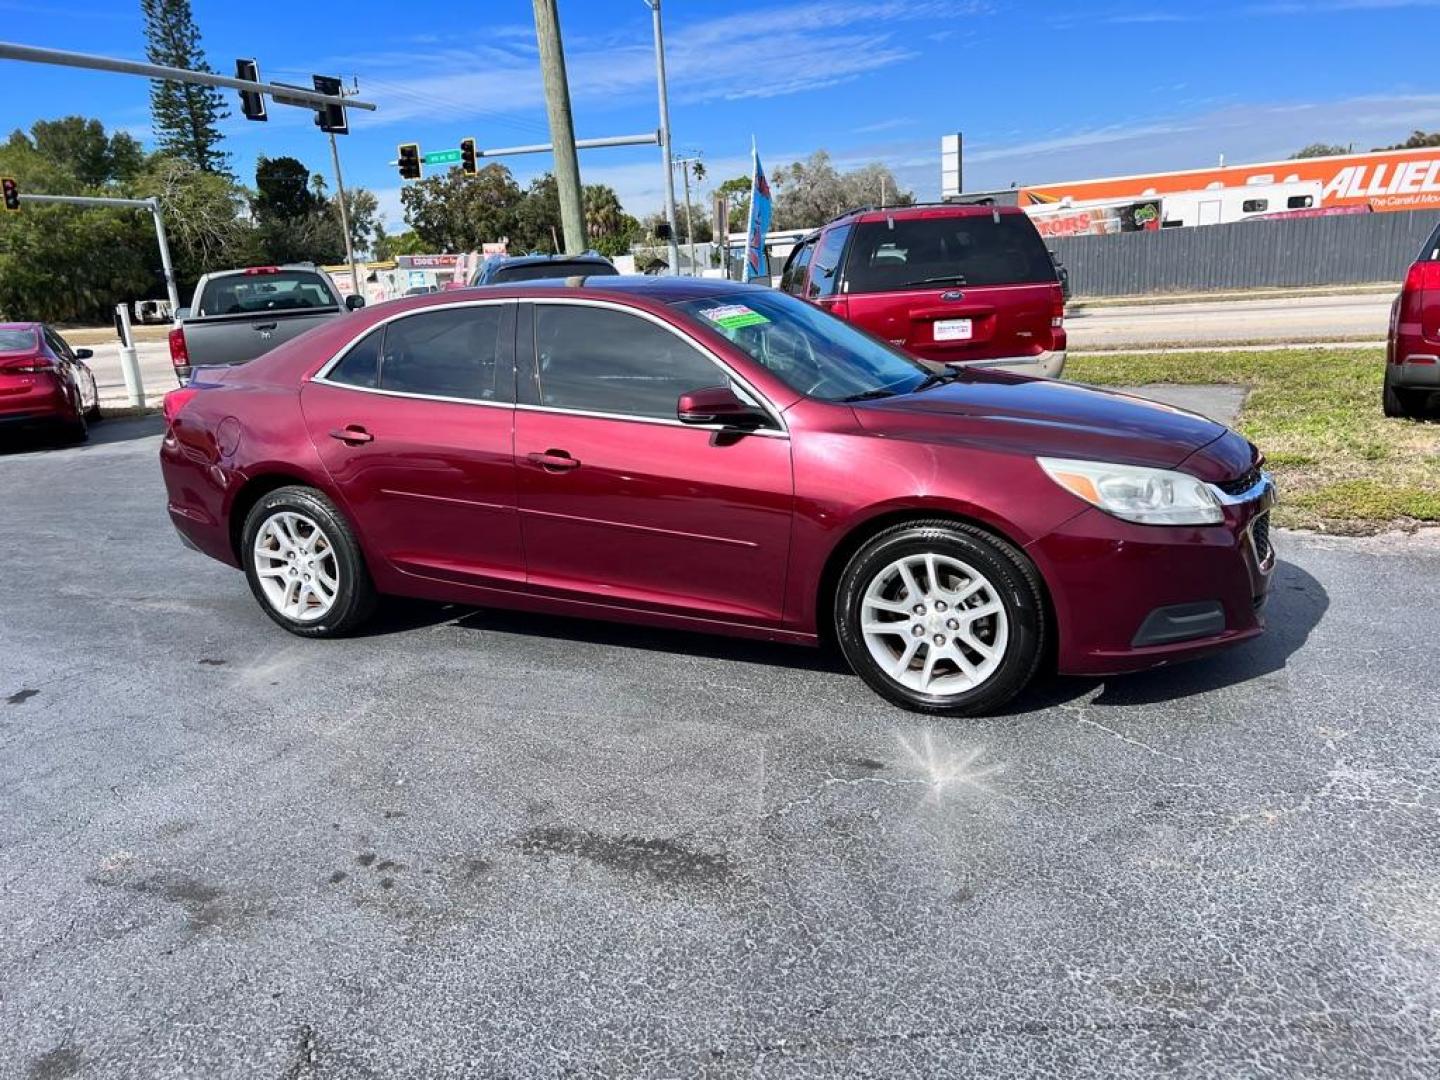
column 68, row 363
column 620, row 503
column 414, row 424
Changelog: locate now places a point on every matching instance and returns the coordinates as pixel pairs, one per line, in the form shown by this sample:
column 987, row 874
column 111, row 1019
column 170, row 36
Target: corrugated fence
column 1339, row 250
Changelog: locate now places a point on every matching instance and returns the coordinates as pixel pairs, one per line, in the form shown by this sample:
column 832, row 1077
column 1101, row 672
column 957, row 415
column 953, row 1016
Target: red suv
column 958, row 284
column 1412, row 357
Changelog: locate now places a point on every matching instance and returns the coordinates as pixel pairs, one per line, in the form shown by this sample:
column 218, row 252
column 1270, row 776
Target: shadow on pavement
column 1297, row 604
column 115, row 430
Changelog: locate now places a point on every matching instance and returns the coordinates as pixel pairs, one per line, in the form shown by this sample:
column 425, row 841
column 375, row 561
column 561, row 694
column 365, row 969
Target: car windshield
column 810, row 351
column 12, row 341
column 973, row 249
column 557, row 268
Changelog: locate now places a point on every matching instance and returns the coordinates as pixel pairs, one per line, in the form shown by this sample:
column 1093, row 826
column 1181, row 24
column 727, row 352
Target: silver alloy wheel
column 295, row 563
column 934, row 624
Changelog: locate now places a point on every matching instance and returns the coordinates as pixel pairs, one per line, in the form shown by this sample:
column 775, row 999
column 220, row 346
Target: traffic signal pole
column 344, row 216
column 654, row 6
column 562, row 125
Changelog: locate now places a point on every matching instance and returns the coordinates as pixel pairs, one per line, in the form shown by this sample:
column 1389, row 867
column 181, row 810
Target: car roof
column 21, row 325
column 660, row 289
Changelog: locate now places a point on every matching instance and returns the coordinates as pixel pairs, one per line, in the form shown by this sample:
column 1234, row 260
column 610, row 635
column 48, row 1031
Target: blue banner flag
column 755, row 262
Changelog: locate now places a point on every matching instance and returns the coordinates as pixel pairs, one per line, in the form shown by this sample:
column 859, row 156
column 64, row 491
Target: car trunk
column 955, row 324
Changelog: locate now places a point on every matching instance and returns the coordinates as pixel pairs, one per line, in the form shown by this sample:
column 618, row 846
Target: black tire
column 1015, row 585
column 1401, row 403
column 74, row 432
column 355, row 596
column 93, row 413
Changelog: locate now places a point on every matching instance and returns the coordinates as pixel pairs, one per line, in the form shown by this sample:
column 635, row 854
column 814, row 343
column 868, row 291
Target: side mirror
column 84, row 354
column 354, row 302
column 717, row 405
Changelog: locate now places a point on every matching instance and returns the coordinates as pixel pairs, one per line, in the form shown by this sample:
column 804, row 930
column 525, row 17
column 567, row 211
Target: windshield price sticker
column 734, row 316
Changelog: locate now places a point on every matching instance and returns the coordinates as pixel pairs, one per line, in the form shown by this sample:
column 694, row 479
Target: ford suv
column 954, row 283
column 1412, row 356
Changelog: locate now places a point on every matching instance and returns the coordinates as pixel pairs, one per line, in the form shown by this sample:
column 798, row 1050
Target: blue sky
column 1103, row 88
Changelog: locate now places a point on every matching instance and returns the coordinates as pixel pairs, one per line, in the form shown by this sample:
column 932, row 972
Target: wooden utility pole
column 562, row 125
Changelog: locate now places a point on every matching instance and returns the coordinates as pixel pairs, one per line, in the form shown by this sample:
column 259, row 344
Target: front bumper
column 1129, row 597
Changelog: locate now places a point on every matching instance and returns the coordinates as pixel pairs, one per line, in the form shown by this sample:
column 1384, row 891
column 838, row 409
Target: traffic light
column 330, row 118
column 467, row 156
column 409, row 161
column 252, row 102
column 12, row 193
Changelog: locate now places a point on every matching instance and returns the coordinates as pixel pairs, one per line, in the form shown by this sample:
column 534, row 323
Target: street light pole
column 165, row 265
column 654, row 6
column 562, row 125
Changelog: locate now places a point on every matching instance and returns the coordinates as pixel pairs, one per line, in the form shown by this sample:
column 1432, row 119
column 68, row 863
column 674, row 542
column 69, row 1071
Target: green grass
column 1339, row 463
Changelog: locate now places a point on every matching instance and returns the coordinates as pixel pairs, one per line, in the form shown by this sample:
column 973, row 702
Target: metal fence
column 1339, row 250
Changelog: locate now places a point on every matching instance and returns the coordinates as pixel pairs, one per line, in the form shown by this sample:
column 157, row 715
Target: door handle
column 265, row 326
column 352, row 435
column 554, row 461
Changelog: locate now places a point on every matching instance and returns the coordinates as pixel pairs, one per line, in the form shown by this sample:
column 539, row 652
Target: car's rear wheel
column 1402, row 401
column 304, row 564
column 941, row 617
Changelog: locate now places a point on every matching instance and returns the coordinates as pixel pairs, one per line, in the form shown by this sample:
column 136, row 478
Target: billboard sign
column 1382, row 180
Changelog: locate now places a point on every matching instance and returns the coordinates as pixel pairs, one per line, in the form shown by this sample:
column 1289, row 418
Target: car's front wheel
column 304, row 564
column 941, row 617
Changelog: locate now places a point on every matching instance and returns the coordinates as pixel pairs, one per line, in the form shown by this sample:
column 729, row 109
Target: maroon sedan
column 44, row 384
column 725, row 458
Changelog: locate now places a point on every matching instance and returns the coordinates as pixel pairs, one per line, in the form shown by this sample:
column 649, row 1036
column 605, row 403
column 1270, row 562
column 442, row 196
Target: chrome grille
column 1242, row 483
column 1260, row 535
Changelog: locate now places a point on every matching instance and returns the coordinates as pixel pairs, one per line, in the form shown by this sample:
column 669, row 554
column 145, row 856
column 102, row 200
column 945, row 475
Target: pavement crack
column 1133, row 741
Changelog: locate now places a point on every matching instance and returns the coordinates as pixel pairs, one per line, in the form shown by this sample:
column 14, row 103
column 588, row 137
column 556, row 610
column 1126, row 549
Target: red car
column 718, row 457
column 44, row 384
column 954, row 283
column 1412, row 355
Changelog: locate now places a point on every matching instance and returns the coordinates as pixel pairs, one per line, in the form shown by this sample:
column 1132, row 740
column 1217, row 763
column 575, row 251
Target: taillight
column 176, row 400
column 179, row 351
column 252, row 271
column 28, row 365
column 1057, row 310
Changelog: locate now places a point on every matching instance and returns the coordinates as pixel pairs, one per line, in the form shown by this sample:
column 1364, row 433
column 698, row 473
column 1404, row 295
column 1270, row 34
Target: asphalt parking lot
column 479, row 844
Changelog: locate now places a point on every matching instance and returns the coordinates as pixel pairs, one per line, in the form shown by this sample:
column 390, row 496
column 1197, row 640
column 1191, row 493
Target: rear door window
column 452, row 353
column 556, row 269
column 825, row 268
column 974, row 249
column 263, row 292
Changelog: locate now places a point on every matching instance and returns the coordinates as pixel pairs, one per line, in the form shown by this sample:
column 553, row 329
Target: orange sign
column 1384, row 180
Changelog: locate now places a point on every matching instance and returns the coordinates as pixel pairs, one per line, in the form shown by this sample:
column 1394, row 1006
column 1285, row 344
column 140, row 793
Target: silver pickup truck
column 238, row 315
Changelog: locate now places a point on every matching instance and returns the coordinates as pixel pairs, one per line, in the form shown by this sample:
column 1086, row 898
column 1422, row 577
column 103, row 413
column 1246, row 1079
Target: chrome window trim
column 321, row 376
column 765, row 403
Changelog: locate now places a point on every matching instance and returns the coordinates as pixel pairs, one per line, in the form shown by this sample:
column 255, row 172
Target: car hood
column 1044, row 417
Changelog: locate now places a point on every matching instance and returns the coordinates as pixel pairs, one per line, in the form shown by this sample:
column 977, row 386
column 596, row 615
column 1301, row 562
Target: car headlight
column 1135, row 493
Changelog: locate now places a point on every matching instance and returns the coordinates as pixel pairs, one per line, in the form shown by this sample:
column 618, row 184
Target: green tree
column 1418, row 140
column 454, row 212
column 737, row 191
column 297, row 220
column 204, row 218
column 186, row 116
column 85, row 152
column 1319, row 150
column 386, row 247
column 811, row 192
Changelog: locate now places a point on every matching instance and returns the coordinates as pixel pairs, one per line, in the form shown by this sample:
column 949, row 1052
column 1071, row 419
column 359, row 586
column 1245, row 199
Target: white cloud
column 839, row 42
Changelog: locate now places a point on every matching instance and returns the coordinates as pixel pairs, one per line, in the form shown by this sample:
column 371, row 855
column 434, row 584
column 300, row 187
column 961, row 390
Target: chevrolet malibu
column 707, row 456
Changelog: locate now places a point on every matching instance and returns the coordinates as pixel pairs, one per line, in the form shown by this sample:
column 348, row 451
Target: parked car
column 508, row 269
column 1412, row 353
column 238, row 315
column 955, row 283
column 702, row 455
column 44, row 384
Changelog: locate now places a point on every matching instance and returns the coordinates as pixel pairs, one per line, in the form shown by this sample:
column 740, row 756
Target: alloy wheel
column 934, row 624
column 296, row 566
